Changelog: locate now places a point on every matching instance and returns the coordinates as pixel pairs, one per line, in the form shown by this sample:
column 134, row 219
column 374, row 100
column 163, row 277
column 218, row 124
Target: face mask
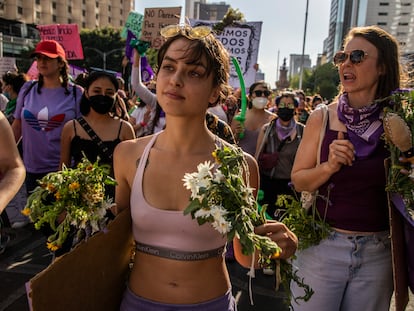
column 285, row 114
column 101, row 104
column 259, row 102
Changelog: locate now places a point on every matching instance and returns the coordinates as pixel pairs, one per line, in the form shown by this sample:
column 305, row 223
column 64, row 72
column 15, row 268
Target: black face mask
column 285, row 114
column 101, row 103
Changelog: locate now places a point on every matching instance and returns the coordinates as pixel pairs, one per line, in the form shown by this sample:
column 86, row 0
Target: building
column 205, row 11
column 394, row 16
column 19, row 18
column 85, row 13
column 295, row 61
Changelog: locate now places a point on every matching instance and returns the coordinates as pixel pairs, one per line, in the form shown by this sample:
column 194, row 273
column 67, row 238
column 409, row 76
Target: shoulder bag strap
column 94, row 137
column 324, row 109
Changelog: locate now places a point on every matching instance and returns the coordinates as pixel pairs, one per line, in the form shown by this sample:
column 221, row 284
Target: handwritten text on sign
column 67, row 35
column 154, row 20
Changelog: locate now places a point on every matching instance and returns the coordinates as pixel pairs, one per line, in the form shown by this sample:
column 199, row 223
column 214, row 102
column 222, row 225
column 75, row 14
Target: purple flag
column 128, row 48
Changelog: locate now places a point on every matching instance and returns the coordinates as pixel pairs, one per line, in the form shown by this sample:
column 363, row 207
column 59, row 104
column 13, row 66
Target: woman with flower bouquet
column 351, row 269
column 180, row 239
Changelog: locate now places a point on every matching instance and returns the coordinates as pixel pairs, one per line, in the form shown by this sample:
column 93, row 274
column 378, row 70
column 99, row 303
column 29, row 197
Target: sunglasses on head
column 187, row 31
column 355, row 56
column 260, row 93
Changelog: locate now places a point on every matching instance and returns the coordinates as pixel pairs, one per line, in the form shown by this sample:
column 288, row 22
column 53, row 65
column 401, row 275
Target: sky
column 282, row 29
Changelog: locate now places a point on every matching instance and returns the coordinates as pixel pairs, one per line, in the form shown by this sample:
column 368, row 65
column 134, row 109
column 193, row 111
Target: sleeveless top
column 166, row 228
column 357, row 198
column 249, row 141
column 90, row 148
column 92, row 151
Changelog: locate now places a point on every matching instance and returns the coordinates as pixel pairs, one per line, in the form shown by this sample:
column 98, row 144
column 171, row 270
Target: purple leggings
column 132, row 302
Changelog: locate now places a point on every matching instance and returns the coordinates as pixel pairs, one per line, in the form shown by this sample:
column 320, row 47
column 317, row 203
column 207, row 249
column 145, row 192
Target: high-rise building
column 84, row 13
column 394, row 16
column 200, row 9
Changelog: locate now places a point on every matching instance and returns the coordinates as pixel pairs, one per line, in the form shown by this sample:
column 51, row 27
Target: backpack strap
column 94, row 137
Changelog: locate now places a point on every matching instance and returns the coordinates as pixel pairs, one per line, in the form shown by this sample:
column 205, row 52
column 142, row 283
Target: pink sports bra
column 156, row 229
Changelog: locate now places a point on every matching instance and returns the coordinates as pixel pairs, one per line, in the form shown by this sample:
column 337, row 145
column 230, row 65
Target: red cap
column 50, row 48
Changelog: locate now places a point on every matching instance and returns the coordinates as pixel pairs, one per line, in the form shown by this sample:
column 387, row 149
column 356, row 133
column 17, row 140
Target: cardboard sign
column 154, row 20
column 133, row 24
column 91, row 277
column 242, row 41
column 7, row 64
column 67, row 35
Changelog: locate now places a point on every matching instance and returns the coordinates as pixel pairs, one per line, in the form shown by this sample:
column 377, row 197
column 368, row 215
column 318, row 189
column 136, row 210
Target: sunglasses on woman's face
column 260, row 93
column 187, row 31
column 355, row 56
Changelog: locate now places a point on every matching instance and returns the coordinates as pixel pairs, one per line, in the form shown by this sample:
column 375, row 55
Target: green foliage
column 323, row 80
column 309, row 226
column 231, row 17
column 106, row 40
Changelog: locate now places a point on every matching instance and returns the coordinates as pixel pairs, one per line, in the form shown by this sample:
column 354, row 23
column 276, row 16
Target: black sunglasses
column 260, row 93
column 355, row 56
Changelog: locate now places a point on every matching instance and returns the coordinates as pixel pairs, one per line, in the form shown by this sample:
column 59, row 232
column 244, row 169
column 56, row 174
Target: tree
column 323, row 80
column 105, row 40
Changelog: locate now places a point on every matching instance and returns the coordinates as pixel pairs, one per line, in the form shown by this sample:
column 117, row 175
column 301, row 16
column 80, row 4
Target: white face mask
column 259, row 102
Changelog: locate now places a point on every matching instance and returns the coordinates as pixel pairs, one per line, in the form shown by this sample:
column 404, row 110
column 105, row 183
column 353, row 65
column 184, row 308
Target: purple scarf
column 284, row 132
column 364, row 125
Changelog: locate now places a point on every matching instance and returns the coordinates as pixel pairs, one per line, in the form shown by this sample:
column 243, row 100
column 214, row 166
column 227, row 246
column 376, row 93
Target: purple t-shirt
column 357, row 200
column 43, row 117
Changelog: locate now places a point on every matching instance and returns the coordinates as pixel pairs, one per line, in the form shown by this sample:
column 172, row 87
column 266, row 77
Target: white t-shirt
column 3, row 102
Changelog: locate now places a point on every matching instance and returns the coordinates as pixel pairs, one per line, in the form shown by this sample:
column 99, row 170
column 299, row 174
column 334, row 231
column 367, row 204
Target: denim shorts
column 132, row 302
column 346, row 272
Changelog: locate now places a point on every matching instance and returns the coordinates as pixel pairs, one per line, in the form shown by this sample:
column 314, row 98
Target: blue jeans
column 347, row 272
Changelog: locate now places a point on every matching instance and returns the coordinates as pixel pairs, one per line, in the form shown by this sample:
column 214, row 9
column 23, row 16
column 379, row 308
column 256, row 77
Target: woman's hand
column 280, row 233
column 341, row 152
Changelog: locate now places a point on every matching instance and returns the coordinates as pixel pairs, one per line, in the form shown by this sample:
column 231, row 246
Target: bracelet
column 143, row 124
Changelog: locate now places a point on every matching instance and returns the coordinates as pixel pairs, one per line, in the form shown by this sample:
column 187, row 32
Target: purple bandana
column 364, row 125
column 284, row 132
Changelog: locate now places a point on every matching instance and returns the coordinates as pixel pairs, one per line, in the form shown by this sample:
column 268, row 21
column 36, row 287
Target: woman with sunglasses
column 193, row 72
column 276, row 149
column 256, row 116
column 351, row 269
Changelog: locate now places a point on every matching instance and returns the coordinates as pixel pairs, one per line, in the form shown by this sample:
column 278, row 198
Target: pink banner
column 67, row 35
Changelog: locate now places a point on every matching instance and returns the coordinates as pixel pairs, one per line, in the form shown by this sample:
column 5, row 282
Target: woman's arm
column 306, row 174
column 12, row 170
column 65, row 141
column 136, row 82
column 122, row 163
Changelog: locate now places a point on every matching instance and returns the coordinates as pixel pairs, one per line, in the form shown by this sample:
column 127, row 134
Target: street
column 26, row 255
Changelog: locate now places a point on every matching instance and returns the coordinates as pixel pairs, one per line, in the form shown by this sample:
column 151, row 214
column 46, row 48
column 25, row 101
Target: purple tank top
column 357, row 200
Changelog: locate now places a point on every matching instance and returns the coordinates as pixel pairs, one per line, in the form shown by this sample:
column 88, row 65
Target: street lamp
column 303, row 46
column 104, row 54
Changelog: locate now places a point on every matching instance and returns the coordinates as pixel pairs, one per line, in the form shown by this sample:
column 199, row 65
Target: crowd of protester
column 271, row 133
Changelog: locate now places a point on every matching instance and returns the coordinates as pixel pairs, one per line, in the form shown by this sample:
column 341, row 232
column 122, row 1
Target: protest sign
column 67, row 35
column 154, row 20
column 7, row 64
column 133, row 24
column 242, row 41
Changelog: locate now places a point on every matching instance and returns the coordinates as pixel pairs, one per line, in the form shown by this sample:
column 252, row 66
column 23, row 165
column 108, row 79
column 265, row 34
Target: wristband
column 143, row 124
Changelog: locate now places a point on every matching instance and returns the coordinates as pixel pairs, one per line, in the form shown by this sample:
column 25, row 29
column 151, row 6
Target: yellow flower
column 52, row 246
column 50, row 187
column 276, row 254
column 73, row 186
column 26, row 211
column 58, row 196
